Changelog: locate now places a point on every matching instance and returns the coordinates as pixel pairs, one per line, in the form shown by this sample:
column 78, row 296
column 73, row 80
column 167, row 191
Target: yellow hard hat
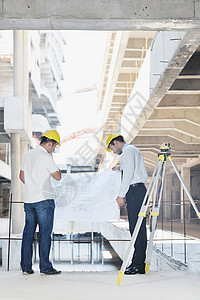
column 52, row 135
column 109, row 139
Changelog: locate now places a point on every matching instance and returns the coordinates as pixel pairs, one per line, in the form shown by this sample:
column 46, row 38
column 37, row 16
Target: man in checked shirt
column 134, row 177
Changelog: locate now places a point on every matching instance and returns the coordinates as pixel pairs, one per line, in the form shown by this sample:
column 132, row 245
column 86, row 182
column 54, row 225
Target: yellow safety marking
column 119, row 278
column 198, row 214
column 161, row 157
column 154, row 214
column 147, row 266
column 142, row 215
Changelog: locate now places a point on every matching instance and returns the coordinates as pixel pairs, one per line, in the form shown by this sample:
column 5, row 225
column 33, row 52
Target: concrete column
column 20, row 88
column 25, row 53
column 185, row 174
column 25, row 71
column 15, row 137
column 15, row 183
column 167, row 196
column 18, row 63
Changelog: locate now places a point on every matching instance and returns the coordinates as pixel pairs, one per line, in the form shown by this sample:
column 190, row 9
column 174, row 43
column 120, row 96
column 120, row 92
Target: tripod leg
column 154, row 215
column 141, row 215
column 185, row 188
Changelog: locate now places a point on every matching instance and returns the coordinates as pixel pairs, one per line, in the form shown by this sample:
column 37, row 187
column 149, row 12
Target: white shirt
column 38, row 165
column 132, row 165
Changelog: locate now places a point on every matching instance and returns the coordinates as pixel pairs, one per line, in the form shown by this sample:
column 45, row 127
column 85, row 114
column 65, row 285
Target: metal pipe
column 10, row 215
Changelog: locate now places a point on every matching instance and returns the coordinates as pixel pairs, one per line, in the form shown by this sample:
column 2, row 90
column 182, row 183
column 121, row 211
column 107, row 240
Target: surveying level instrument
column 160, row 168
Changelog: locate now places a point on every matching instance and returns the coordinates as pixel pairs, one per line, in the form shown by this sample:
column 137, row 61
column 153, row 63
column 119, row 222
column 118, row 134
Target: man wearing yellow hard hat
column 37, row 169
column 134, row 177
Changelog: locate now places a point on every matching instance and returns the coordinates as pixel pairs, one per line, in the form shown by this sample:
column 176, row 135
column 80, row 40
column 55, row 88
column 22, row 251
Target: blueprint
column 89, row 197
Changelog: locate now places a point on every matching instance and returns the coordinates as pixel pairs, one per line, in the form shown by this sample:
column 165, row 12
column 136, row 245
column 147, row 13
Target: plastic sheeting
column 87, row 197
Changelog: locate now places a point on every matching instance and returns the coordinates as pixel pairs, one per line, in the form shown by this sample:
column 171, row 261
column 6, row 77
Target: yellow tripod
column 160, row 168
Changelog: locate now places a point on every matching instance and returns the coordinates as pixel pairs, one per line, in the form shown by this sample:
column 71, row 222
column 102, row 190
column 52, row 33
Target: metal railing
column 174, row 232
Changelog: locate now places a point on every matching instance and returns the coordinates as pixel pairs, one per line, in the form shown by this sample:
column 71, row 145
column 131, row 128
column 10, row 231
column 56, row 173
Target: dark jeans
column 41, row 213
column 134, row 199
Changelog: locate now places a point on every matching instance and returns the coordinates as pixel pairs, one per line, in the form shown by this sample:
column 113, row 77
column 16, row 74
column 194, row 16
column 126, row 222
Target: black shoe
column 134, row 270
column 130, row 266
column 51, row 272
column 28, row 272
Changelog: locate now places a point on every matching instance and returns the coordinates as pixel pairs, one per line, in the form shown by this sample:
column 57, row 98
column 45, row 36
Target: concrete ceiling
column 104, row 15
column 174, row 118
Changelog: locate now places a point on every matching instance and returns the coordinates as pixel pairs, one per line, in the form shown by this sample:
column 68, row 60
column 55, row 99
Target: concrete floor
column 99, row 282
column 83, row 281
column 100, row 286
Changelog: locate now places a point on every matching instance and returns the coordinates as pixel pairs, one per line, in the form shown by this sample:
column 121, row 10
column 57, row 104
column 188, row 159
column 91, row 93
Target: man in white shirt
column 134, row 177
column 37, row 168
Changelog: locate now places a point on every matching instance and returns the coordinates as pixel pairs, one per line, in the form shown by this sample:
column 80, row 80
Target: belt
column 137, row 184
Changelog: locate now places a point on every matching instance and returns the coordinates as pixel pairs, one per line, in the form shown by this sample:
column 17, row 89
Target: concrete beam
column 102, row 84
column 117, row 58
column 188, row 76
column 191, row 114
column 133, row 59
column 192, row 162
column 124, row 78
column 182, row 126
column 183, row 92
column 176, row 145
column 129, row 70
column 152, row 162
column 139, row 43
column 104, row 15
column 174, row 133
column 132, row 64
column 150, row 156
column 142, row 34
column 180, row 101
column 133, row 53
column 150, row 159
column 153, row 150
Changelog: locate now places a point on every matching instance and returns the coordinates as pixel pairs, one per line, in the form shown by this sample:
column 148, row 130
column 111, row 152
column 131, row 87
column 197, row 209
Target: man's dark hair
column 45, row 140
column 118, row 138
